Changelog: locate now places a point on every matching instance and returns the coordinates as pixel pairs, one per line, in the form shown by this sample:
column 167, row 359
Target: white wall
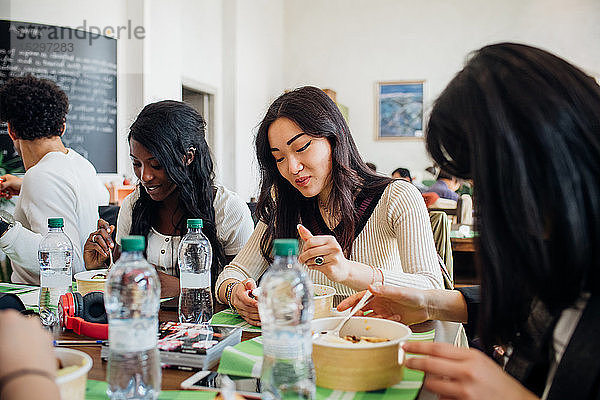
column 247, row 52
column 233, row 49
column 259, row 75
column 349, row 45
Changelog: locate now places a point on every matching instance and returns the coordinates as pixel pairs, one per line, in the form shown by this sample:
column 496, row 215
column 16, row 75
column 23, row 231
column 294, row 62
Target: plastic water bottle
column 195, row 260
column 55, row 256
column 132, row 299
column 286, row 310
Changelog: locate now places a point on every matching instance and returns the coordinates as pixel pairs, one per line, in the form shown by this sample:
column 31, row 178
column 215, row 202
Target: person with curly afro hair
column 58, row 182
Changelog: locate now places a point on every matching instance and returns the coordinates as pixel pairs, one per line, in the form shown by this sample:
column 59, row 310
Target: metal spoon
column 336, row 331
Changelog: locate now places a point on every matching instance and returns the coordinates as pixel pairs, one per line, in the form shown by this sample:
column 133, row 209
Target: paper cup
column 323, row 300
column 72, row 385
column 86, row 284
column 359, row 367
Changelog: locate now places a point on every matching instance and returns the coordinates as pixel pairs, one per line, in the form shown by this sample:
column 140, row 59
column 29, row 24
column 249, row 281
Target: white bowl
column 72, row 385
column 359, row 366
column 86, row 284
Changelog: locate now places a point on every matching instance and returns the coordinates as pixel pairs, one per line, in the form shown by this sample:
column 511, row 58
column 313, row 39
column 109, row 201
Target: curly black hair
column 34, row 107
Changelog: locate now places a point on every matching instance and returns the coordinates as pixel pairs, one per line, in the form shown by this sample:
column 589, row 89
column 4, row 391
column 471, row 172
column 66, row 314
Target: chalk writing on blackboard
column 85, row 69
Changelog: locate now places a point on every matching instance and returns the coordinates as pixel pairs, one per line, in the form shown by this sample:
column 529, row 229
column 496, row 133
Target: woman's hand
column 334, row 264
column 244, row 302
column 406, row 305
column 98, row 246
column 458, row 373
column 25, row 345
column 169, row 285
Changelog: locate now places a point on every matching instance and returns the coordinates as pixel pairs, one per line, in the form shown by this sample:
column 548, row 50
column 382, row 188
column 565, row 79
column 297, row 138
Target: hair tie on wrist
column 4, row 380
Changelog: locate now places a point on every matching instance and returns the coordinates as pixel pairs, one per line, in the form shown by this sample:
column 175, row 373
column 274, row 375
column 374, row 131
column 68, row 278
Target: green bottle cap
column 194, row 223
column 56, row 223
column 285, row 247
column 133, row 243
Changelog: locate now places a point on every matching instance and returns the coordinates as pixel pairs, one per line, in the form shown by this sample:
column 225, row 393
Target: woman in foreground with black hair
column 367, row 228
column 172, row 161
column 525, row 125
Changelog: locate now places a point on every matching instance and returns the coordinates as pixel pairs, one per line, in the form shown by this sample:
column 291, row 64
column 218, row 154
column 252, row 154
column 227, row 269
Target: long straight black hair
column 525, row 125
column 169, row 130
column 279, row 203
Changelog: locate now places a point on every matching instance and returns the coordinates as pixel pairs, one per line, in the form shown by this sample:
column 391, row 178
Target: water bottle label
column 194, row 281
column 287, row 345
column 55, row 280
column 129, row 335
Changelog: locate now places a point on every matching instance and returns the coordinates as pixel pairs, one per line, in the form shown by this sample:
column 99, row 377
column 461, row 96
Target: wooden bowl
column 356, row 366
column 323, row 300
column 86, row 284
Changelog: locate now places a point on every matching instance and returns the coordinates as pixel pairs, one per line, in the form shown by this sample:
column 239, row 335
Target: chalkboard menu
column 84, row 65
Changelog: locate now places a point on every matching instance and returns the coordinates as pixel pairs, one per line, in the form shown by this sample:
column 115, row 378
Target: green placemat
column 229, row 317
column 96, row 390
column 245, row 359
column 16, row 288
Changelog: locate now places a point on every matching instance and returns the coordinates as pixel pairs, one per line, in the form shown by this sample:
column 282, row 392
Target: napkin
column 230, row 317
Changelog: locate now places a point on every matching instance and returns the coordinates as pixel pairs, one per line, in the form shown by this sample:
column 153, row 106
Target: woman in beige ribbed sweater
column 357, row 228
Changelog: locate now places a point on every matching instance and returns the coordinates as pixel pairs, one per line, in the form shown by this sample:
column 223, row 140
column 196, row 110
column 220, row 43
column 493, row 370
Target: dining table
column 448, row 332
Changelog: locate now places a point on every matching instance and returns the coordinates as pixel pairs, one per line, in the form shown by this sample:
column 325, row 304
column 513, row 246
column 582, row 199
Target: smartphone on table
column 213, row 381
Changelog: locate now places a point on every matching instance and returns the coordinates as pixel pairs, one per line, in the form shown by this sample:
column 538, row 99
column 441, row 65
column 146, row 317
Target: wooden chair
column 440, row 226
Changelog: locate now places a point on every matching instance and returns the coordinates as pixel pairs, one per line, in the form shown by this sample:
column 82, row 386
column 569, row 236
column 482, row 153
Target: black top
column 364, row 204
column 578, row 373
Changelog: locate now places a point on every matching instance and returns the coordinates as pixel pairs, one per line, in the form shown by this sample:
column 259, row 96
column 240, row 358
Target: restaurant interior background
column 235, row 56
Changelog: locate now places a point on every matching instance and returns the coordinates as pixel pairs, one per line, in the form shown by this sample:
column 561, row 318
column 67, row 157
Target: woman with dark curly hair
column 366, row 227
column 57, row 182
column 176, row 181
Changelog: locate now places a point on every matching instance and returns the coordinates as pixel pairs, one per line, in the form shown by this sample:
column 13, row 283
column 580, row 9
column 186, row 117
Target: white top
column 397, row 238
column 232, row 218
column 59, row 185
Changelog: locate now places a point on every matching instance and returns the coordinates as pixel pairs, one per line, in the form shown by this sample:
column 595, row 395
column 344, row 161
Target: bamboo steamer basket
column 359, row 367
column 323, row 300
column 86, row 284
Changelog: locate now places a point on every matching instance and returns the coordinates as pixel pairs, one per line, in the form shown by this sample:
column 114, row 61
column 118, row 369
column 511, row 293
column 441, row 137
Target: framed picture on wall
column 399, row 110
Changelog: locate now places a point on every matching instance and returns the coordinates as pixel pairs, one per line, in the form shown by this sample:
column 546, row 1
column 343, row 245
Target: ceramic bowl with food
column 372, row 360
column 323, row 300
column 72, row 375
column 90, row 281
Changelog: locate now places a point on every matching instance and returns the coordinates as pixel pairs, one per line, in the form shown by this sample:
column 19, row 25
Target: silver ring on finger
column 319, row 260
column 94, row 238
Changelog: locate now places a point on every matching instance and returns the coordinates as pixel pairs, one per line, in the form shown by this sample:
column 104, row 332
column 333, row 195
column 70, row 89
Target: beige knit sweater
column 397, row 239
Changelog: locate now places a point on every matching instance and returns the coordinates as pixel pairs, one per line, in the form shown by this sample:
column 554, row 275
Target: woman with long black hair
column 172, row 161
column 357, row 227
column 525, row 126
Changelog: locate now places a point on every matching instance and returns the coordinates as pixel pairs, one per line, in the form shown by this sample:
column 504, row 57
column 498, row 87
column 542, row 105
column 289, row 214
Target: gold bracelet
column 373, row 273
